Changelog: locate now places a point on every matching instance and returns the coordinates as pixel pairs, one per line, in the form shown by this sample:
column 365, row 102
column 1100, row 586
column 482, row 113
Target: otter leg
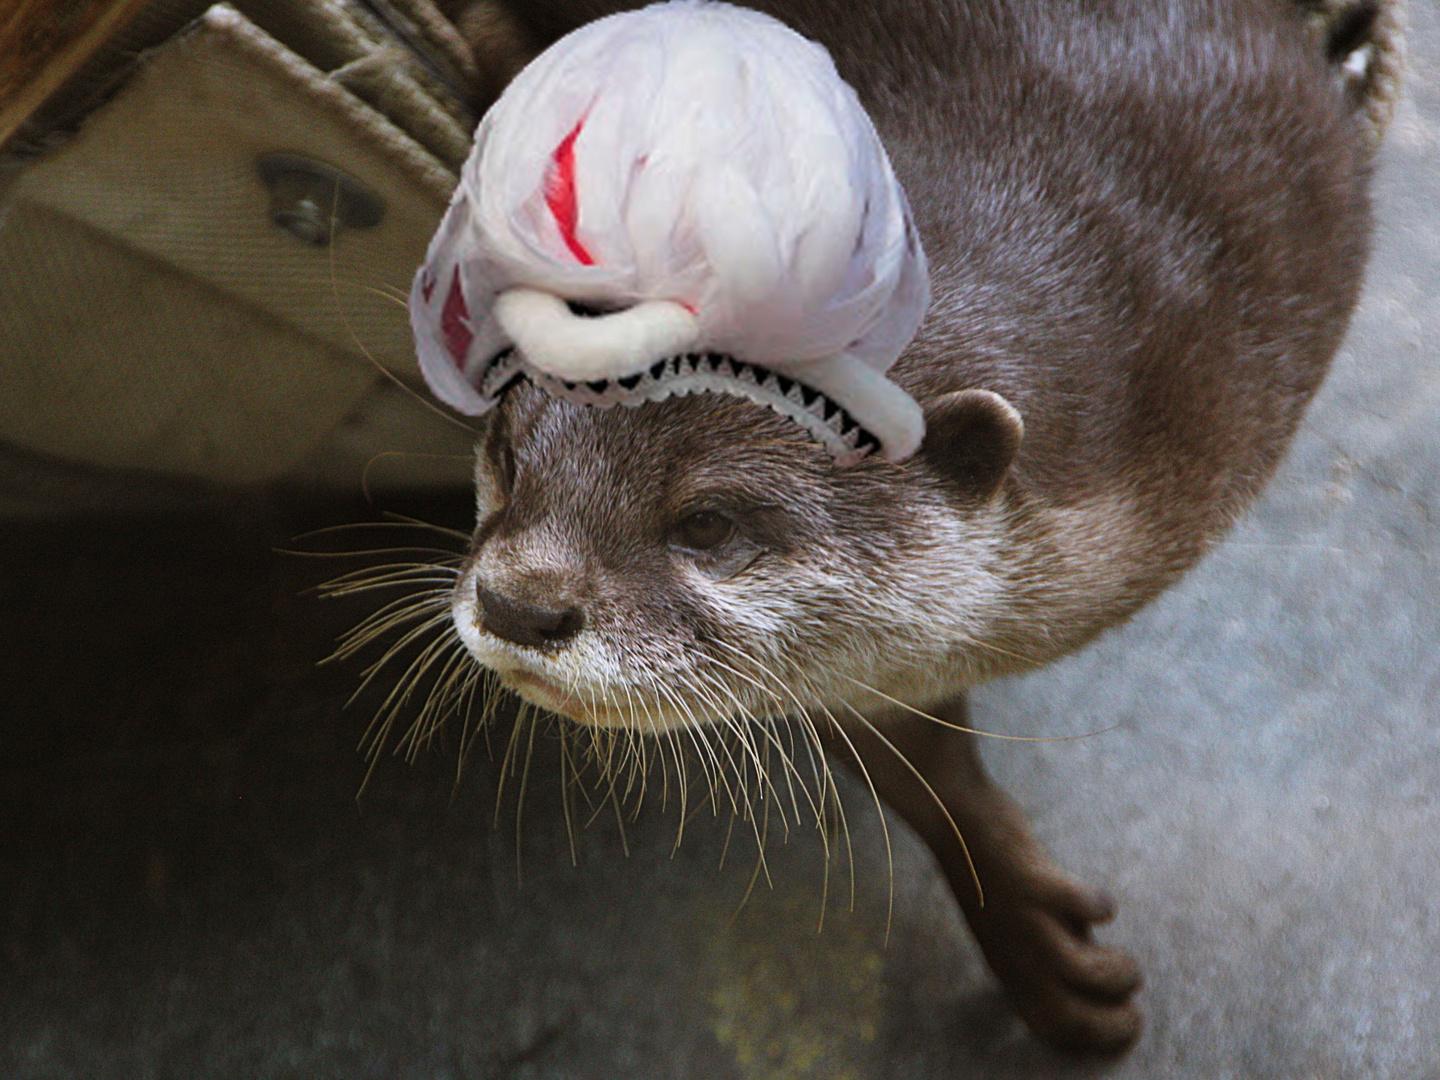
column 1035, row 923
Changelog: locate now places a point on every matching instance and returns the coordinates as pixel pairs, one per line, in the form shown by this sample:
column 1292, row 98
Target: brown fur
column 1146, row 224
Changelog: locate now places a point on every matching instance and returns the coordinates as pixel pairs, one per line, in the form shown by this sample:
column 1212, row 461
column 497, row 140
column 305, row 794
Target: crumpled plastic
column 690, row 179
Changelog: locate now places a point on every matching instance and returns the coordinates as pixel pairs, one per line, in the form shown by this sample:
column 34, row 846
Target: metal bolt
column 313, row 201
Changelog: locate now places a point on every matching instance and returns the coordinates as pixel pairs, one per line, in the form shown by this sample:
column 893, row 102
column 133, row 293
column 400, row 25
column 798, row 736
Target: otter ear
column 971, row 437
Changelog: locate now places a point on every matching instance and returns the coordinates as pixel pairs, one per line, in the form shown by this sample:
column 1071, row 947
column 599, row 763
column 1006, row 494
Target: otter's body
column 1146, row 225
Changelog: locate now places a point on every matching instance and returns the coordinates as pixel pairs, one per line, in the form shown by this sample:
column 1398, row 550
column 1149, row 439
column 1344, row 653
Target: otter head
column 698, row 558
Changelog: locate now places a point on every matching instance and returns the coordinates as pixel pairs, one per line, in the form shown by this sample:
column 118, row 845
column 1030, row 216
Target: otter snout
column 527, row 624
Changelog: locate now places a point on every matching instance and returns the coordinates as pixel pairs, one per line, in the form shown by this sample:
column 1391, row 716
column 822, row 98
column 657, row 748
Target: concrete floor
column 188, row 887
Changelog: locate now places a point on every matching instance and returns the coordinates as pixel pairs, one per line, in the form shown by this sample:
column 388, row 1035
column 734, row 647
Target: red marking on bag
column 455, row 323
column 560, row 194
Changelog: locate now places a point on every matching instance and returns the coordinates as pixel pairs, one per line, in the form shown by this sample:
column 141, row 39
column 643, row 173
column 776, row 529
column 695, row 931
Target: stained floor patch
column 783, row 1009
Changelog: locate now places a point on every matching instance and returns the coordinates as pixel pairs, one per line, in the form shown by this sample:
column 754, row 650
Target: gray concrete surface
column 189, row 889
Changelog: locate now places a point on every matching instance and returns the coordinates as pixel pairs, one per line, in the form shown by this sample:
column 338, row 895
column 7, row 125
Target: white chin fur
column 575, row 666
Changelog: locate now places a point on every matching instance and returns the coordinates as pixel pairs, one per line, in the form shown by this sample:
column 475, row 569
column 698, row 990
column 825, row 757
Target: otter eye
column 703, row 531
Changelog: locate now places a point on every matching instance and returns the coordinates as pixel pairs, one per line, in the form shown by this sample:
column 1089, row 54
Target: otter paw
column 1072, row 991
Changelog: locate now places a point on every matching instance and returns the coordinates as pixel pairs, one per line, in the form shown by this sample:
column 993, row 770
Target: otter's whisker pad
column 682, row 199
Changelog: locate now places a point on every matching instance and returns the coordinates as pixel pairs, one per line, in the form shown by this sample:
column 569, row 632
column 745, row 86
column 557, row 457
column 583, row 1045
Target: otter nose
column 526, row 624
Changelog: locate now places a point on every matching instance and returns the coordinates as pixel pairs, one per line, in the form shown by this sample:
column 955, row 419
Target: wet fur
column 1146, row 225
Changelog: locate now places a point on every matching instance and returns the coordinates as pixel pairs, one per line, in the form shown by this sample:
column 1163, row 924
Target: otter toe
column 1090, row 968
column 1086, row 1027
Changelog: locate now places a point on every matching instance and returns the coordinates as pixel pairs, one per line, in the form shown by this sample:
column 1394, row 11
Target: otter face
column 699, row 559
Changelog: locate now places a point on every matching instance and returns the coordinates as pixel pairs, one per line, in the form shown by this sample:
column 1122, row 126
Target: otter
column 1147, row 224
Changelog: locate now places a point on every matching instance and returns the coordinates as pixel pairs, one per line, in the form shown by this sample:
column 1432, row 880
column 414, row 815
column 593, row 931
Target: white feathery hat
column 682, row 198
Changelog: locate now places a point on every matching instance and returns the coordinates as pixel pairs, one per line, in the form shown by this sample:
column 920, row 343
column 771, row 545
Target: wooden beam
column 44, row 42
